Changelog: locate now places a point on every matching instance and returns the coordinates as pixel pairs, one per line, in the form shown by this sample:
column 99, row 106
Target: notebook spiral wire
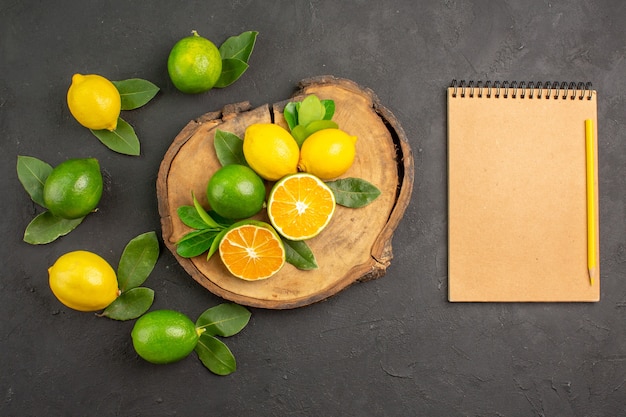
column 522, row 89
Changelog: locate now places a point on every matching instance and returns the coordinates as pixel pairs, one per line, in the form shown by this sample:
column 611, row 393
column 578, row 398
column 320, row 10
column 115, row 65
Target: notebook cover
column 517, row 213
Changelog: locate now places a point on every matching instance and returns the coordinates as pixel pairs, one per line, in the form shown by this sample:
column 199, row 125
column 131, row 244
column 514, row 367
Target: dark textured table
column 389, row 347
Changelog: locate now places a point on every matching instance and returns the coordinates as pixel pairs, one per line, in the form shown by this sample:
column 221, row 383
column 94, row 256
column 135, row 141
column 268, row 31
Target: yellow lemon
column 327, row 153
column 83, row 281
column 94, row 101
column 270, row 150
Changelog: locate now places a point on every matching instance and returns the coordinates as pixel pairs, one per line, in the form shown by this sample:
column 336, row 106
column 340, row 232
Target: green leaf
column 317, row 125
column 206, row 218
column 299, row 254
column 290, row 113
column 130, row 304
column 135, row 92
column 232, row 70
column 311, row 109
column 299, row 134
column 215, row 355
column 216, row 243
column 32, row 173
column 47, row 227
column 190, row 217
column 137, row 261
column 329, row 106
column 229, row 148
column 239, row 47
column 353, row 192
column 196, row 243
column 224, row 320
column 122, row 140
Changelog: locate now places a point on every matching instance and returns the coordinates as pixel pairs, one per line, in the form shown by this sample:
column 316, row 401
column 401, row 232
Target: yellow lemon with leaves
column 83, row 281
column 327, row 153
column 94, row 101
column 270, row 150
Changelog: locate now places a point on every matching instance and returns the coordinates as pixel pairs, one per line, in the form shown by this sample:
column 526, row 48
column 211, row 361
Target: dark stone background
column 390, row 347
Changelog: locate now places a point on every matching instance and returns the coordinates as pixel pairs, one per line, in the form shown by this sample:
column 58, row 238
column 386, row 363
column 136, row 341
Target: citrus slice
column 300, row 206
column 252, row 250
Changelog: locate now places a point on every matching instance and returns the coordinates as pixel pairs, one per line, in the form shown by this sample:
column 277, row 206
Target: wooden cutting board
column 355, row 246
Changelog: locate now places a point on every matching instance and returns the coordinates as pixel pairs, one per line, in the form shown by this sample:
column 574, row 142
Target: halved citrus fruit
column 300, row 206
column 252, row 250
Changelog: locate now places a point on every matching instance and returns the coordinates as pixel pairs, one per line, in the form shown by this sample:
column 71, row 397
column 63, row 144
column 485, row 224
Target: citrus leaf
column 216, row 243
column 290, row 114
column 329, row 106
column 122, row 140
column 130, row 304
column 239, row 47
column 215, row 355
column 353, row 192
column 229, row 148
column 232, row 69
column 190, row 217
column 317, row 125
column 32, row 173
column 224, row 320
column 298, row 254
column 137, row 261
column 196, row 243
column 135, row 92
column 299, row 134
column 311, row 109
column 206, row 218
column 47, row 227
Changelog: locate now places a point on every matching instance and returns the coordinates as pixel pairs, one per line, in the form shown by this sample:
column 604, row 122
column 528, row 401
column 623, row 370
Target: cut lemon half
column 300, row 206
column 252, row 250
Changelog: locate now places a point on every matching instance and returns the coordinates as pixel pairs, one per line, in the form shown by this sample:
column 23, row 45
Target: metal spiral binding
column 522, row 89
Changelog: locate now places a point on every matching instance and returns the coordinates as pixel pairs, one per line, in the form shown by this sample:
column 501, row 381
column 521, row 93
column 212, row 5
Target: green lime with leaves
column 74, row 188
column 164, row 336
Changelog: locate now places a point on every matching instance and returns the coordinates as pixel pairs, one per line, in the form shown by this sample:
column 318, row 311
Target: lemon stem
column 200, row 330
column 194, row 32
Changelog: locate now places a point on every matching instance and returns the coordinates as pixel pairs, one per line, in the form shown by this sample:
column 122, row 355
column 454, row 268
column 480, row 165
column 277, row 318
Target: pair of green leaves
column 308, row 116
column 136, row 263
column 235, row 53
column 135, row 93
column 223, row 320
column 45, row 227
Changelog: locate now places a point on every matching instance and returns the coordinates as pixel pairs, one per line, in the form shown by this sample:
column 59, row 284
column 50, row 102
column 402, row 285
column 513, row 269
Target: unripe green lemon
column 164, row 336
column 194, row 64
column 74, row 188
column 94, row 101
column 236, row 192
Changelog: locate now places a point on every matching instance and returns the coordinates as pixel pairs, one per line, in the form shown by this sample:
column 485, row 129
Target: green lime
column 164, row 336
column 236, row 192
column 194, row 64
column 73, row 188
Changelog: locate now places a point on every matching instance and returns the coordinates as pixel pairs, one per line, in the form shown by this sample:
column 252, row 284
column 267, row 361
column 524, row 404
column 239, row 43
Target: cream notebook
column 517, row 192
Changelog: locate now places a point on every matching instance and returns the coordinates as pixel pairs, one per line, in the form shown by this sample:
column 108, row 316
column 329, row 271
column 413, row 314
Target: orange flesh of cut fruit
column 300, row 206
column 252, row 252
